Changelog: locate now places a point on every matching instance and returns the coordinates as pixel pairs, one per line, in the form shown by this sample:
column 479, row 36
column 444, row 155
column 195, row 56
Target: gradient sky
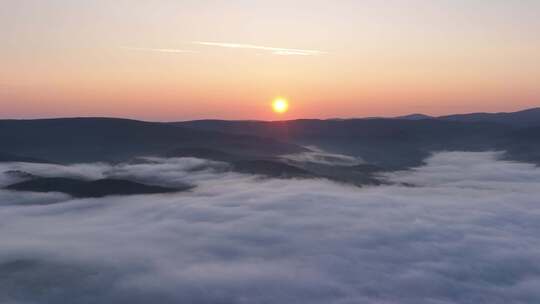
column 191, row 59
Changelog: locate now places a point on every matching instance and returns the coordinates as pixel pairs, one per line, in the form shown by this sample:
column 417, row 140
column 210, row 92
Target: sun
column 280, row 105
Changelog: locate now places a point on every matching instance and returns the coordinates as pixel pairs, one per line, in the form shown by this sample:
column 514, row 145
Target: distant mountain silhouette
column 81, row 188
column 107, row 139
column 5, row 157
column 523, row 145
column 386, row 143
column 205, row 153
column 415, row 117
column 270, row 168
column 525, row 118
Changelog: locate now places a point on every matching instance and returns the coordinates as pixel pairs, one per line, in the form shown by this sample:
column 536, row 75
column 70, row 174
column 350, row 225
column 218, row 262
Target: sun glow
column 280, row 105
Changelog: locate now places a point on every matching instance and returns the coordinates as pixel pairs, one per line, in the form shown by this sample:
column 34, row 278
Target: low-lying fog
column 465, row 228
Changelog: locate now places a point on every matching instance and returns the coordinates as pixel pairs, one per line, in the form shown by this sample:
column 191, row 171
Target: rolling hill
column 108, row 139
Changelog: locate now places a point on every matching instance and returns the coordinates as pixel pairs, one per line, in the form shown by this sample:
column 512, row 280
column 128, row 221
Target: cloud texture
column 467, row 232
column 318, row 156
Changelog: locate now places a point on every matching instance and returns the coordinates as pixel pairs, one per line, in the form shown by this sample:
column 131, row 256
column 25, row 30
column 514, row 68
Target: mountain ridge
column 390, row 143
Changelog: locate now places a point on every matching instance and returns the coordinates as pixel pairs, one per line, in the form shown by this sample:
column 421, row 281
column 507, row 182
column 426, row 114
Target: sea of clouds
column 318, row 156
column 464, row 228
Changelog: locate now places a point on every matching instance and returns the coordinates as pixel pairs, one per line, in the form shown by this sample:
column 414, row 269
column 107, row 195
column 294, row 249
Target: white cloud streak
column 318, row 156
column 272, row 50
column 466, row 233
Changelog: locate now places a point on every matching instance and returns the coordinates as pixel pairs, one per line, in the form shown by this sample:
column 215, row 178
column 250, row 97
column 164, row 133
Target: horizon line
column 255, row 120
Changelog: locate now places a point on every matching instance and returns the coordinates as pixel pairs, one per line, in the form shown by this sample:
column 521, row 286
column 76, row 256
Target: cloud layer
column 318, row 156
column 467, row 232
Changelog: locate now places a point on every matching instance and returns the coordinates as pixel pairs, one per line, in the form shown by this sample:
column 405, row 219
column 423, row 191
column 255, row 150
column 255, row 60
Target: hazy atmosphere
column 192, row 59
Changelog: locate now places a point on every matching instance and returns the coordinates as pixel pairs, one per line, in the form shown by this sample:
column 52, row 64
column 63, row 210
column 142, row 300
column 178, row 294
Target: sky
column 168, row 60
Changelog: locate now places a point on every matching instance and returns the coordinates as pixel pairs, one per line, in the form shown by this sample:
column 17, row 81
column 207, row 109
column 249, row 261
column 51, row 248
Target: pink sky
column 180, row 60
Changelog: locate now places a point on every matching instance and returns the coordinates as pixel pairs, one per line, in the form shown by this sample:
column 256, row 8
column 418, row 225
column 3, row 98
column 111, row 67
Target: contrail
column 273, row 50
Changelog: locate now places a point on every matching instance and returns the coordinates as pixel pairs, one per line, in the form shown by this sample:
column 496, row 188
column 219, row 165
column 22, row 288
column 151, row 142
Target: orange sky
column 180, row 60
